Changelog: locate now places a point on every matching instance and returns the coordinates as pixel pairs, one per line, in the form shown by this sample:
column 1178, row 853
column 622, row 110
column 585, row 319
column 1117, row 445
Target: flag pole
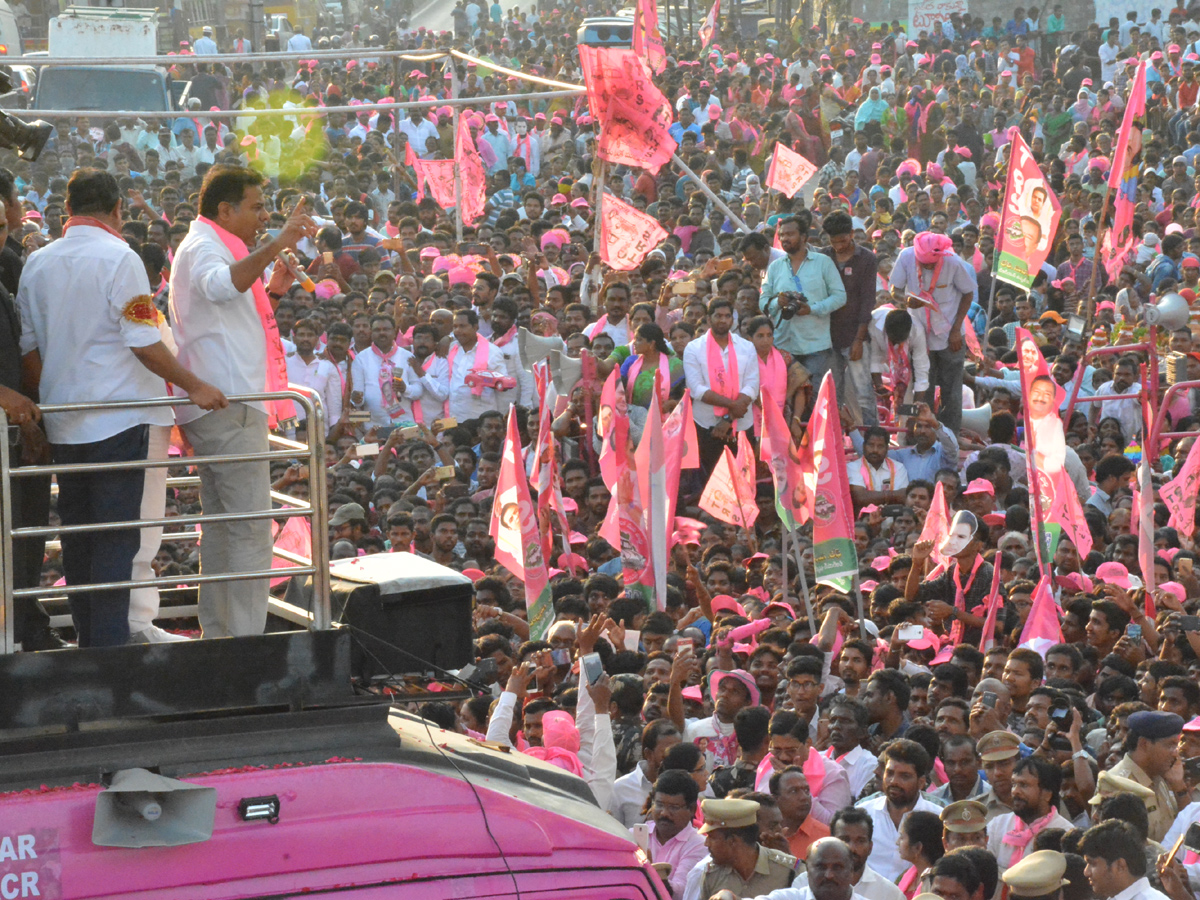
column 707, row 192
column 862, row 617
column 808, row 607
column 458, row 185
column 1089, row 298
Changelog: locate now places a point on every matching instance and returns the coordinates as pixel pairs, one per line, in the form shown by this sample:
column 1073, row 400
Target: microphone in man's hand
column 299, row 274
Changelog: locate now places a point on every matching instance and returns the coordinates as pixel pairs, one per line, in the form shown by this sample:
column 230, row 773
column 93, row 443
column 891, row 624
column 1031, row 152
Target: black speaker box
column 406, row 614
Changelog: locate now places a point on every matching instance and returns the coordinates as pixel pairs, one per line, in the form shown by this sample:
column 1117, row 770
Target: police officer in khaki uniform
column 739, row 863
column 1151, row 750
column 964, row 824
column 1038, row 875
column 999, row 751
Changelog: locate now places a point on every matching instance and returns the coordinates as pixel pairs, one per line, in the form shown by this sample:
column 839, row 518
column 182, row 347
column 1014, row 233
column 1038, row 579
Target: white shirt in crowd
column 81, row 302
column 915, row 347
column 695, row 369
column 364, row 375
column 891, row 476
column 463, row 404
column 323, row 377
column 871, row 886
column 884, row 859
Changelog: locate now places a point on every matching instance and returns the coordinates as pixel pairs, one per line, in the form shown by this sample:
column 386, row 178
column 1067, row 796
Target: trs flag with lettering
column 788, row 463
column 633, row 114
column 1179, row 494
column 439, row 175
column 474, row 177
column 789, row 171
column 835, row 558
column 627, row 234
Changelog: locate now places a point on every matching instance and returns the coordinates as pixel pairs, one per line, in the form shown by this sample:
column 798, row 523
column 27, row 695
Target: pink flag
column 633, row 114
column 647, row 39
column 439, row 175
column 788, row 171
column 679, row 446
column 474, row 178
column 612, row 428
column 652, row 491
column 514, row 528
column 1181, row 491
column 729, row 494
column 788, row 464
column 708, row 28
column 1123, row 175
column 545, row 474
column 994, row 601
column 1042, row 629
column 627, row 235
column 836, row 560
column 937, row 523
column 296, row 538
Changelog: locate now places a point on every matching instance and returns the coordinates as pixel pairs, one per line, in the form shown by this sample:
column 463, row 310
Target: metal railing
column 318, row 619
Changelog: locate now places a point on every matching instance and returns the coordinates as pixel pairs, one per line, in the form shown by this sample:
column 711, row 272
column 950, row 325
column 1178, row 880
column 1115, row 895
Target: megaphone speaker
column 977, row 420
column 534, row 348
column 1170, row 312
column 141, row 809
column 565, row 372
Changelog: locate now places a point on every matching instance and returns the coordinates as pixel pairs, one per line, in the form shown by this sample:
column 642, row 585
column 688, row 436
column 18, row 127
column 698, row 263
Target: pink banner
column 679, row 436
column 439, row 175
column 729, row 494
column 788, row 464
column 474, row 177
column 1042, row 629
column 514, row 528
column 1181, row 491
column 789, row 171
column 937, row 522
column 545, row 473
column 647, row 39
column 708, row 28
column 1031, row 214
column 632, row 113
column 1123, row 175
column 834, row 556
column 627, row 235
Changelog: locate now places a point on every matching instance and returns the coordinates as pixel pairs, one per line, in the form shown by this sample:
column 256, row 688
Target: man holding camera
column 800, row 293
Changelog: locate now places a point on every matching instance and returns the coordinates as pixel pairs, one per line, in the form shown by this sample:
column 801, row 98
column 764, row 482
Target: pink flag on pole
column 708, row 28
column 545, row 474
column 994, row 601
column 474, row 177
column 1179, row 494
column 612, row 428
column 937, row 523
column 652, row 490
column 836, row 560
column 514, row 528
column 679, row 445
column 439, row 175
column 788, row 464
column 1123, row 175
column 647, row 39
column 789, row 171
column 1042, row 629
column 729, row 496
column 1030, row 219
column 627, row 234
column 633, row 114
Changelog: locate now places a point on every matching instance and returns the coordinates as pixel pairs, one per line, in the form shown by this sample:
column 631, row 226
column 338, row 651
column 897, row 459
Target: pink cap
column 491, row 117
column 474, row 574
column 1175, row 589
column 430, row 253
column 1114, row 573
column 876, row 59
column 580, row 203
column 558, row 199
column 995, row 518
column 881, row 563
column 725, row 603
column 714, row 113
column 779, row 606
column 980, row 486
column 462, row 275
column 1156, row 55
column 868, row 586
column 928, row 641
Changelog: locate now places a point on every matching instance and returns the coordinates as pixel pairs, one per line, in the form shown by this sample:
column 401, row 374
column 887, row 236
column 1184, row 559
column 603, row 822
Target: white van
column 10, row 36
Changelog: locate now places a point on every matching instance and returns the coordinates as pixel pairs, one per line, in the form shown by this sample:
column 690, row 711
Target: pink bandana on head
column 277, row 380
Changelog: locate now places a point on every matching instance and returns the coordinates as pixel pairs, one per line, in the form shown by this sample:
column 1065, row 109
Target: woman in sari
column 650, row 362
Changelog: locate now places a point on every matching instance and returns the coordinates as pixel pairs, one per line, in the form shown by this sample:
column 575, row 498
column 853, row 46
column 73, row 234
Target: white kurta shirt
column 364, row 373
column 323, row 377
column 695, row 369
column 75, row 304
column 463, row 404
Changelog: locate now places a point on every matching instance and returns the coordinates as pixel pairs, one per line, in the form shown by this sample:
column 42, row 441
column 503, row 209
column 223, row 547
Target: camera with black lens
column 789, row 301
column 27, row 138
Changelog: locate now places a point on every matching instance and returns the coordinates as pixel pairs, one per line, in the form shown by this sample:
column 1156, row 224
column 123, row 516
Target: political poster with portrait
column 1054, row 505
column 627, row 235
column 1030, row 219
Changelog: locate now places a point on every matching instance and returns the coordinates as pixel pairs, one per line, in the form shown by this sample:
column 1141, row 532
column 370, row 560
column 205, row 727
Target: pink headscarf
column 931, row 247
column 560, row 742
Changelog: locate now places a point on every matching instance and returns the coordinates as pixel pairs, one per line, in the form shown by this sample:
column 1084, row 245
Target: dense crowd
column 752, row 714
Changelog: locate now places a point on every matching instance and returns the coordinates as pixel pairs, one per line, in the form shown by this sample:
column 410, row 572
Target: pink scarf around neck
column 722, row 378
column 277, row 410
column 664, row 373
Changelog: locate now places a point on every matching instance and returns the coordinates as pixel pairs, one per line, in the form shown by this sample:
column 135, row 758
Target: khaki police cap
column 1108, row 784
column 998, row 745
column 728, row 814
column 964, row 817
column 1037, row 875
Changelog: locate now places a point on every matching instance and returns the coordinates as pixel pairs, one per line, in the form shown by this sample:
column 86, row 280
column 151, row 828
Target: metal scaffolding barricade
column 316, row 512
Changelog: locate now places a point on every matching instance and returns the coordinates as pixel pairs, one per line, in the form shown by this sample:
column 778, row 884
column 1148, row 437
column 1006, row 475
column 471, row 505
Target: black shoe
column 44, row 639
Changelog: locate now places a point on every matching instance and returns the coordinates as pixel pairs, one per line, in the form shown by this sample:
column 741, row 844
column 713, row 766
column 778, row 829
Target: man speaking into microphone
column 223, row 317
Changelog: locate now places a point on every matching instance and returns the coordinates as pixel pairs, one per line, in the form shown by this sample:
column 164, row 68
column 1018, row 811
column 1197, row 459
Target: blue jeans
column 101, row 617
